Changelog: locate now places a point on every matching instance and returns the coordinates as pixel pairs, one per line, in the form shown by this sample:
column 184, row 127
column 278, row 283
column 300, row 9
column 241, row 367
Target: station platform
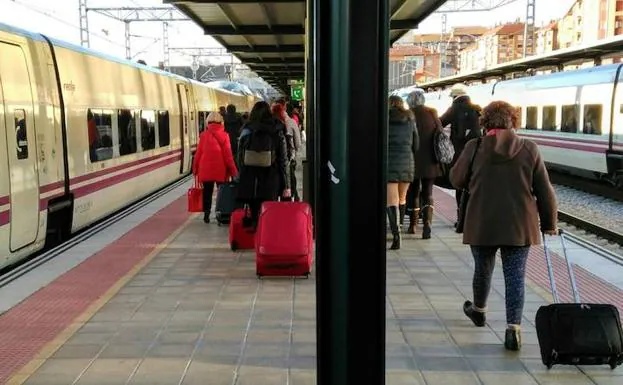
column 169, row 303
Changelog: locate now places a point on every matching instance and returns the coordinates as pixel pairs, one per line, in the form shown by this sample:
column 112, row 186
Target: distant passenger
column 293, row 140
column 262, row 157
column 502, row 213
column 233, row 125
column 222, row 110
column 426, row 166
column 214, row 162
column 462, row 116
column 402, row 145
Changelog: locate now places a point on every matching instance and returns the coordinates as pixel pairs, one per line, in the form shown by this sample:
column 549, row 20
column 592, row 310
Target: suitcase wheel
column 259, row 276
column 307, row 275
column 234, row 246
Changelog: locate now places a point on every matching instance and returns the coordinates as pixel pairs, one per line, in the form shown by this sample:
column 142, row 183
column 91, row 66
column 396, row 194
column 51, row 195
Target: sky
column 60, row 19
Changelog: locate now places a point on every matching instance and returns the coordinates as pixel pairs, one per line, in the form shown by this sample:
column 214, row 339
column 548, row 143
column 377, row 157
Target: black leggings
column 421, row 189
column 208, row 190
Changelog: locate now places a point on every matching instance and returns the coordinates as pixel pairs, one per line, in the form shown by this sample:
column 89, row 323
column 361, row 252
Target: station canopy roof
column 561, row 57
column 269, row 36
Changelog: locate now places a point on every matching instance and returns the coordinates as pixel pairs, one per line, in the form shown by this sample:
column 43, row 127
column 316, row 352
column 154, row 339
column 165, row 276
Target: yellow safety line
column 51, row 347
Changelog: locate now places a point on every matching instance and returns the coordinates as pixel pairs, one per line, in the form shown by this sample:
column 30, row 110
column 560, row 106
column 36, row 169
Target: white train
column 83, row 135
column 576, row 117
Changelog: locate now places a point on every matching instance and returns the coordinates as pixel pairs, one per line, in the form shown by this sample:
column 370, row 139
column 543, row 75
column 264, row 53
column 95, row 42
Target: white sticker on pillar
column 334, row 179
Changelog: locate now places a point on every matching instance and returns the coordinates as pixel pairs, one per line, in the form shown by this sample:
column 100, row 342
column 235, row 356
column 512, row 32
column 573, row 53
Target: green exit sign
column 296, row 93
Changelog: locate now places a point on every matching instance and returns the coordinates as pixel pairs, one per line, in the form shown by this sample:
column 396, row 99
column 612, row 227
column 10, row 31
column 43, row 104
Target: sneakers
column 477, row 317
column 512, row 339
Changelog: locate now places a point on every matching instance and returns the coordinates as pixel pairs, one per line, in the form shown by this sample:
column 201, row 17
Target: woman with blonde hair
column 510, row 196
column 214, row 162
column 402, row 144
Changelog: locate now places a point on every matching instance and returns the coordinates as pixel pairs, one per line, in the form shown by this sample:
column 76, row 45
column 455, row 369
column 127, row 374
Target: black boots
column 402, row 210
column 206, row 217
column 392, row 214
column 428, row 220
column 414, row 216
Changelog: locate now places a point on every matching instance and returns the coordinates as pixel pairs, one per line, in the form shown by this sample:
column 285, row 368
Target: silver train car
column 576, row 117
column 84, row 135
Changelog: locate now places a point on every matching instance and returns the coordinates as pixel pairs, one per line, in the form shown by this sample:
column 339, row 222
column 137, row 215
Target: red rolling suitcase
column 284, row 240
column 241, row 234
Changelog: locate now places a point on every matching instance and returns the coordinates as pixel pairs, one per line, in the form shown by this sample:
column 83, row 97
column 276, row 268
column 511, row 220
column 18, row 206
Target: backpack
column 259, row 150
column 443, row 148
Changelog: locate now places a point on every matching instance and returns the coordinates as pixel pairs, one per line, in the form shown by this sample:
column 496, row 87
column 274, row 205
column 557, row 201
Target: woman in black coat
column 260, row 184
column 402, row 145
column 426, row 166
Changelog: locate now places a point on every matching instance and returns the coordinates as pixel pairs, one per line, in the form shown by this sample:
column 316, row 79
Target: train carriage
column 576, row 117
column 84, row 135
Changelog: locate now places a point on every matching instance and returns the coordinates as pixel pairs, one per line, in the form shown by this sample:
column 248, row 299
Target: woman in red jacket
column 214, row 162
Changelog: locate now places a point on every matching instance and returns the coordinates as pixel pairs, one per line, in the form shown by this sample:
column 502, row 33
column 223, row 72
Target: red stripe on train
column 97, row 186
column 97, row 174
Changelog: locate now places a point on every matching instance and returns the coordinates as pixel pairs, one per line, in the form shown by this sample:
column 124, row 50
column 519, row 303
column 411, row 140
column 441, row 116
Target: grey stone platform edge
column 198, row 315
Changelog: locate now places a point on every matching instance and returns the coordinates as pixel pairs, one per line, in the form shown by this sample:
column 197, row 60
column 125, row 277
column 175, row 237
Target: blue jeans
column 514, row 265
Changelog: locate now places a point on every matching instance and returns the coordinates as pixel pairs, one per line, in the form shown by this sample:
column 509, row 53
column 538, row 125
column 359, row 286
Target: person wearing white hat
column 463, row 117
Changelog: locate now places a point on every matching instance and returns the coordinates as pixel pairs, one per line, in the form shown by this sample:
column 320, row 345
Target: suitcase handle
column 550, row 269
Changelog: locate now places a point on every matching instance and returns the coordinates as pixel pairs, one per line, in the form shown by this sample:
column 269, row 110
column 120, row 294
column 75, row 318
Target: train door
column 182, row 95
column 20, row 146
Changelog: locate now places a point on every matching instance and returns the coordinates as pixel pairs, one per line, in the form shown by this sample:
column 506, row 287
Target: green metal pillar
column 350, row 86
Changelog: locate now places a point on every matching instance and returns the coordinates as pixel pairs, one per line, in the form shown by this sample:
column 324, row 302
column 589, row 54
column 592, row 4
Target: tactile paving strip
column 29, row 326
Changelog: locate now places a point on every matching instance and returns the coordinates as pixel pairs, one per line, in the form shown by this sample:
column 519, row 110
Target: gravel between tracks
column 602, row 211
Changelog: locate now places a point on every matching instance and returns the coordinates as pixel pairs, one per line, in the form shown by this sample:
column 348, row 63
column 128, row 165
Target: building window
column 519, row 117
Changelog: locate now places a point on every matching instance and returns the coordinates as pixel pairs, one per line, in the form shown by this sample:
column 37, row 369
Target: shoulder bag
column 465, row 194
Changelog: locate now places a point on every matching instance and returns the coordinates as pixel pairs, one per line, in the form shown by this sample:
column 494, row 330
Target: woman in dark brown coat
column 502, row 213
column 426, row 166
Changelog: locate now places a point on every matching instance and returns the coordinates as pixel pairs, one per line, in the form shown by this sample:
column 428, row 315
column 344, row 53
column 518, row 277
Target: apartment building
column 547, row 38
column 499, row 45
column 411, row 64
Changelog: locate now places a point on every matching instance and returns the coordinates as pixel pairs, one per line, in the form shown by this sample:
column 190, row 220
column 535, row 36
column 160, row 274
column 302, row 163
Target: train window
column 570, row 118
column 531, row 118
column 592, row 119
column 164, row 132
column 21, row 134
column 148, row 130
column 201, row 121
column 127, row 132
column 549, row 118
column 519, row 121
column 99, row 126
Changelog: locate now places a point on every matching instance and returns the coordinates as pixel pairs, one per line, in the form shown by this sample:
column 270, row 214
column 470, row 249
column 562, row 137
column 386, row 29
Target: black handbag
column 460, row 222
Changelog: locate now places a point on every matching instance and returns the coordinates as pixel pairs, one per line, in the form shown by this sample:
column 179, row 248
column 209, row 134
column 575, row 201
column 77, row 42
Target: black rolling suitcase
column 577, row 333
column 226, row 202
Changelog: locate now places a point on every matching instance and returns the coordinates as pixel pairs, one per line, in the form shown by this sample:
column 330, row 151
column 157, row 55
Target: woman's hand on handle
column 287, row 193
column 551, row 232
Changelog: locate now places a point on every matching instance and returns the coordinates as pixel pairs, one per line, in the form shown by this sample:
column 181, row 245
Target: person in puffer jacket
column 214, row 161
column 402, row 145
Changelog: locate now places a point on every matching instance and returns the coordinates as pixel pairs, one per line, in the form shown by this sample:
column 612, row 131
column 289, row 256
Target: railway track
column 12, row 273
column 592, row 228
column 594, row 187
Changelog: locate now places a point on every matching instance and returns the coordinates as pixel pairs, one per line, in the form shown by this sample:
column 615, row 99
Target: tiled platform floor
column 196, row 314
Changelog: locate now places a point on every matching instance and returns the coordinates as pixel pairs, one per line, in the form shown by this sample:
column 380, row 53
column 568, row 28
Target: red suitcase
column 240, row 236
column 284, row 240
